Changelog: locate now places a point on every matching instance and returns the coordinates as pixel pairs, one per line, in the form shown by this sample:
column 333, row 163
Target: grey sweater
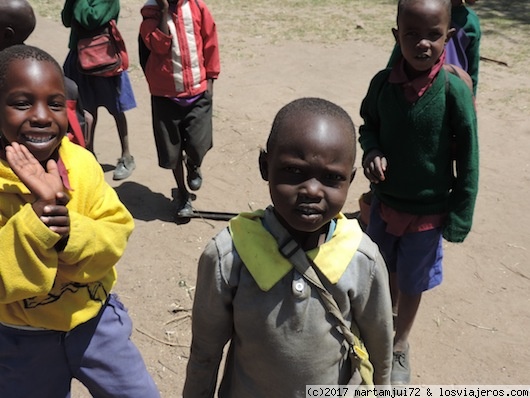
column 282, row 339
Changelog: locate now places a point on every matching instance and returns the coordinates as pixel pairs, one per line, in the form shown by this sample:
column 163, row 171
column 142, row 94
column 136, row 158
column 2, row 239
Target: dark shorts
column 179, row 129
column 99, row 353
column 113, row 93
column 416, row 257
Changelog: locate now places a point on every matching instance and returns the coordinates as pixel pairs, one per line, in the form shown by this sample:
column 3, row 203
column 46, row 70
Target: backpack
column 101, row 52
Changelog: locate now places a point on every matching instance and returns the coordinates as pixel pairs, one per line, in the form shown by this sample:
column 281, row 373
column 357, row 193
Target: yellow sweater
column 40, row 287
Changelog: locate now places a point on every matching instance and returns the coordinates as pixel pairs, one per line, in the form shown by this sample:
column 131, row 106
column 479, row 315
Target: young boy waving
column 62, row 231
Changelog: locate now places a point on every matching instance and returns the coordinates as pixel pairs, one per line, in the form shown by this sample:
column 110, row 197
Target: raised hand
column 44, row 184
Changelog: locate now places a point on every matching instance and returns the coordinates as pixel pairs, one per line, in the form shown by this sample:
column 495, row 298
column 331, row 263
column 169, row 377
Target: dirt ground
column 473, row 329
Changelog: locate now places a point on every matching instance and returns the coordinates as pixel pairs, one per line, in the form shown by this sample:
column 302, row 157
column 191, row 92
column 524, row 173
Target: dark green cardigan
column 416, row 139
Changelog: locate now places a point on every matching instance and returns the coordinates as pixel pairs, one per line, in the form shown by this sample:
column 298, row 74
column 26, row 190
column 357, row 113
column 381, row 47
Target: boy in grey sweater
column 281, row 336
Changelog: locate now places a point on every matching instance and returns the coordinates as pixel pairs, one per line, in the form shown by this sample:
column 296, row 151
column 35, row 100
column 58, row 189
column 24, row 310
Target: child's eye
column 293, row 170
column 21, row 105
column 334, row 180
column 57, row 106
column 335, row 177
column 434, row 36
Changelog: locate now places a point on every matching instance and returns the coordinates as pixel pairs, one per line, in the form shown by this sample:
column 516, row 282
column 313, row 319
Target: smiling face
column 33, row 106
column 423, row 30
column 309, row 170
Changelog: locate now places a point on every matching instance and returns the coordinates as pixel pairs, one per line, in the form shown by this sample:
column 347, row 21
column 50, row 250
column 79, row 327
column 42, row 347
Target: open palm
column 44, row 184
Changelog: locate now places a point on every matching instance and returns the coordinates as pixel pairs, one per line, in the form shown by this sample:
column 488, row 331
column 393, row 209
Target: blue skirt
column 114, row 93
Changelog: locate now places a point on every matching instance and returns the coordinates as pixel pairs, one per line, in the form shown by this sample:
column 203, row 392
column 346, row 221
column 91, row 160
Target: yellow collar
column 259, row 252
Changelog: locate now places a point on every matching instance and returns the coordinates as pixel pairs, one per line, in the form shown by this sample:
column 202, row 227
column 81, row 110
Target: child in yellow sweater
column 62, row 231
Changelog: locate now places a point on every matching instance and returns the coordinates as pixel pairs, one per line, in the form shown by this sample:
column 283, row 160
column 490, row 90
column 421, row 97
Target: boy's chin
column 44, row 152
column 308, row 226
column 417, row 69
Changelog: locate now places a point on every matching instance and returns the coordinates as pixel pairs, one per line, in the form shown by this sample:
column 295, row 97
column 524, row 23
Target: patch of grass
column 305, row 20
column 505, row 31
column 48, row 8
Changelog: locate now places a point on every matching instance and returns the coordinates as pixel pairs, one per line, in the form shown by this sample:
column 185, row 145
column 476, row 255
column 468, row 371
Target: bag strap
column 303, row 264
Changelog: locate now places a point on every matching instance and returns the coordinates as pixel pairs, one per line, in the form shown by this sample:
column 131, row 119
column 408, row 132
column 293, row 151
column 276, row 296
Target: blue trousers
column 416, row 257
column 99, row 353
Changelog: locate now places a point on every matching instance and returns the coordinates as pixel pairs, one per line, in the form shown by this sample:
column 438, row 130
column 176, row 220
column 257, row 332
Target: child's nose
column 312, row 188
column 424, row 43
column 41, row 115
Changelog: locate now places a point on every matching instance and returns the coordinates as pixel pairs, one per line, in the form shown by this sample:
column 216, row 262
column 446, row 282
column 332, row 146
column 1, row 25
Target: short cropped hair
column 308, row 105
column 19, row 16
column 21, row 52
column 403, row 4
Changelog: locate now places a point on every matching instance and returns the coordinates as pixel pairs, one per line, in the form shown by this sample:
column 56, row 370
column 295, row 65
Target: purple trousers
column 99, row 353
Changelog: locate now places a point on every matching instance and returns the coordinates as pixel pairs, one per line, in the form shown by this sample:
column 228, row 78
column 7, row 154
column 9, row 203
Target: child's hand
column 44, row 184
column 375, row 165
column 56, row 216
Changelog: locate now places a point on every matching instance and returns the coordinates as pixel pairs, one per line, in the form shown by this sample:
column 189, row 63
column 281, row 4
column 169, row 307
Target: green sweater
column 90, row 14
column 416, row 139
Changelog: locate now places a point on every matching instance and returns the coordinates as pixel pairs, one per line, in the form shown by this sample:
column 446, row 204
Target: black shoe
column 183, row 205
column 186, row 211
column 194, row 176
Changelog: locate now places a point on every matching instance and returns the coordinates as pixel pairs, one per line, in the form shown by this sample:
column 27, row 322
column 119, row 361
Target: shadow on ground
column 145, row 204
column 516, row 11
column 107, row 167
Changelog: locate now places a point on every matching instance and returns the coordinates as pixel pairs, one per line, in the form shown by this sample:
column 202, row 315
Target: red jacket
column 180, row 64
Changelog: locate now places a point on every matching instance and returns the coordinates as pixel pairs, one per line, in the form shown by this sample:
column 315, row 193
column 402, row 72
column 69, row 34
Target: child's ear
column 450, row 34
column 9, row 33
column 396, row 35
column 264, row 164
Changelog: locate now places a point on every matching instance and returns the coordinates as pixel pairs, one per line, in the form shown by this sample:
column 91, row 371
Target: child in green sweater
column 417, row 119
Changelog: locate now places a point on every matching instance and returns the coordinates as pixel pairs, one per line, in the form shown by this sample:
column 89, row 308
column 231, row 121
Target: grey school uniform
column 281, row 339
